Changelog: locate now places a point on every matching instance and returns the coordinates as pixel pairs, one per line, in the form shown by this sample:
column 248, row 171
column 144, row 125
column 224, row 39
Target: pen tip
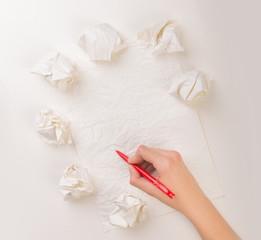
column 123, row 156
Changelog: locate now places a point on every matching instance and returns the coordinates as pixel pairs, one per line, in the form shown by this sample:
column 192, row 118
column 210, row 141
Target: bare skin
column 189, row 200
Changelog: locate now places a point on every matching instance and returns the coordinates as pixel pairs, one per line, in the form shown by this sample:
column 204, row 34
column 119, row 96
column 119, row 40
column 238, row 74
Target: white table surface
column 220, row 37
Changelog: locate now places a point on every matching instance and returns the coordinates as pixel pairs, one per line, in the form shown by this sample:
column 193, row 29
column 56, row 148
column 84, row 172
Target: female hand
column 171, row 171
column 189, row 199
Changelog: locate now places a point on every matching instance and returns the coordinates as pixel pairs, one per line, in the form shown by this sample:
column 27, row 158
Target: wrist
column 193, row 203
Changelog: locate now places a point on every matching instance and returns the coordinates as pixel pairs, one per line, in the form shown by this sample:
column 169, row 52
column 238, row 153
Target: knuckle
column 141, row 148
column 175, row 155
column 167, row 162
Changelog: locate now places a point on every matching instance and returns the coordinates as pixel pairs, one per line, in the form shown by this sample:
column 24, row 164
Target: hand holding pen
column 189, row 198
column 145, row 174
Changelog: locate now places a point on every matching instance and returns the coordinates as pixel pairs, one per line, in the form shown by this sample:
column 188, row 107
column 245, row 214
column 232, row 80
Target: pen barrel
column 154, row 181
column 144, row 173
column 164, row 189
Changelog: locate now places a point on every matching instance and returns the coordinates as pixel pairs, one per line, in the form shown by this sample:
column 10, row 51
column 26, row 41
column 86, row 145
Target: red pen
column 148, row 176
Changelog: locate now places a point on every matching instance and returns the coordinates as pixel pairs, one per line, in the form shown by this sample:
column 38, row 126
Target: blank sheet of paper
column 123, row 104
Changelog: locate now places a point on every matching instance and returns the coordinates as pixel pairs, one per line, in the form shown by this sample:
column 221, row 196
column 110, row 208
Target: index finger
column 148, row 154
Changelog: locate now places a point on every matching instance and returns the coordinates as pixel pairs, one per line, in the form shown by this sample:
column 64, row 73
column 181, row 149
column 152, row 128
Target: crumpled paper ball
column 100, row 42
column 129, row 211
column 58, row 70
column 53, row 127
column 164, row 37
column 190, row 86
column 75, row 182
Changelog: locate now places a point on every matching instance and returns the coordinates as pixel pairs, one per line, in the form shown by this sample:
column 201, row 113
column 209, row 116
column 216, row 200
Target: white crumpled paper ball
column 53, row 127
column 100, row 42
column 129, row 211
column 164, row 37
column 58, row 70
column 75, row 182
column 190, row 86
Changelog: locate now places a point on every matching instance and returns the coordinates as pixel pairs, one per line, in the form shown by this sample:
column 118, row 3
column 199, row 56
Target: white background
column 220, row 37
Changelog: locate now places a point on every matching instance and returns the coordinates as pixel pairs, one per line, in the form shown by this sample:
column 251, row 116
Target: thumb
column 140, row 182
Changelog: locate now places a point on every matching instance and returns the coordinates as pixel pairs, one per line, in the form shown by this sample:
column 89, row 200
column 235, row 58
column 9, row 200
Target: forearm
column 208, row 221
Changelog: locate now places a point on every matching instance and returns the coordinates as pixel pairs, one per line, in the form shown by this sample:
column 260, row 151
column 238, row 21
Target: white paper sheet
column 53, row 127
column 58, row 70
column 100, row 42
column 128, row 211
column 127, row 103
column 76, row 182
column 190, row 86
column 163, row 36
